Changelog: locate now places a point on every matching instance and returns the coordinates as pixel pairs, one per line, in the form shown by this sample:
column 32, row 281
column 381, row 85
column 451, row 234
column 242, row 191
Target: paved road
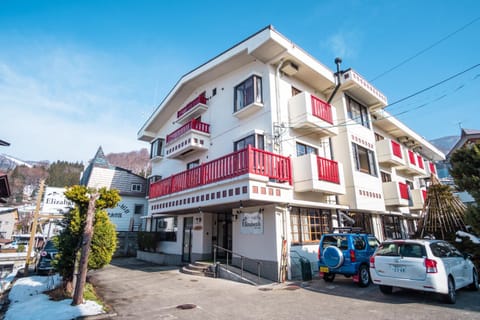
column 140, row 290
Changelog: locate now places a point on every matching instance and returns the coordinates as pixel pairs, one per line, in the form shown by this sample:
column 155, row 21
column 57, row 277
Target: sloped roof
column 466, row 135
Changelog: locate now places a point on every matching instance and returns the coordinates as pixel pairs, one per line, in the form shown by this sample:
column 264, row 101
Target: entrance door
column 224, row 233
column 187, row 239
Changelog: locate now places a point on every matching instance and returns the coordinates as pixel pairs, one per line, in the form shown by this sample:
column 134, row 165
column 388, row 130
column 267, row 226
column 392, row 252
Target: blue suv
column 347, row 254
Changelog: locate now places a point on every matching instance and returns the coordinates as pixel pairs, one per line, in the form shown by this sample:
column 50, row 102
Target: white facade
column 312, row 163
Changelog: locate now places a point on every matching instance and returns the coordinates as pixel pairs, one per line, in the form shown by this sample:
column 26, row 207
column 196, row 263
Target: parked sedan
column 426, row 265
column 47, row 254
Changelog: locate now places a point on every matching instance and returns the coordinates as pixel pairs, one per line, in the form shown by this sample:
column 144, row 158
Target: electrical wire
column 425, row 49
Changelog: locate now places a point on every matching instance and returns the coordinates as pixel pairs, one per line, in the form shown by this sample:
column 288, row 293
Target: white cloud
column 63, row 105
column 344, row 44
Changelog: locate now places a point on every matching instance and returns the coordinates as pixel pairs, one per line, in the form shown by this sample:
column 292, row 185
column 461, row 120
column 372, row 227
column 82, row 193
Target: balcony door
column 224, row 234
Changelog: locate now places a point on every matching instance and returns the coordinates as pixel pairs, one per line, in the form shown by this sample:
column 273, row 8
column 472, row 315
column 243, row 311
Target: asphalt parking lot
column 141, row 290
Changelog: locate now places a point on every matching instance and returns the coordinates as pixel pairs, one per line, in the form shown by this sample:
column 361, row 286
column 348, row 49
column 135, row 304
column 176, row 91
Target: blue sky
column 78, row 74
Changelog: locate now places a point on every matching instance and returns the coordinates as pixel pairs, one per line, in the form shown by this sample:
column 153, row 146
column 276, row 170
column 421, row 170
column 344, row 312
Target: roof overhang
column 267, row 46
column 4, row 187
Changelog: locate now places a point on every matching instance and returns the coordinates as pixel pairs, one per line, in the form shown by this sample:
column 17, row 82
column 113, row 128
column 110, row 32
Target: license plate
column 324, row 269
column 399, row 269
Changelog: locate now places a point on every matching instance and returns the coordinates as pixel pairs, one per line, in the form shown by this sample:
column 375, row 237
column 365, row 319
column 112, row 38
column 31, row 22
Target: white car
column 426, row 265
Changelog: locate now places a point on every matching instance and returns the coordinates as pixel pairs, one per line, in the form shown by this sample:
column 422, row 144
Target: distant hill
column 445, row 144
column 136, row 161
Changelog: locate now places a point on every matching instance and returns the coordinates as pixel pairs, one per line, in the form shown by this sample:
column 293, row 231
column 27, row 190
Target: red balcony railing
column 432, row 168
column 397, row 149
column 420, row 162
column 322, row 110
column 248, row 160
column 411, row 157
column 200, row 99
column 191, row 125
column 328, row 170
column 403, row 190
column 424, row 195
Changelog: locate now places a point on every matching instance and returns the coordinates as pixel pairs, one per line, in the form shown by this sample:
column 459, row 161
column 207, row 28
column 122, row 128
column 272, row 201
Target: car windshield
column 49, row 246
column 411, row 250
column 339, row 241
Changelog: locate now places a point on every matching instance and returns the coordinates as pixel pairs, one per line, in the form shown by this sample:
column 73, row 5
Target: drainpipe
column 338, row 61
column 277, row 97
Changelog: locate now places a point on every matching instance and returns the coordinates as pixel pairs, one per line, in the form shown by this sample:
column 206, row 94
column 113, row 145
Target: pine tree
column 104, row 241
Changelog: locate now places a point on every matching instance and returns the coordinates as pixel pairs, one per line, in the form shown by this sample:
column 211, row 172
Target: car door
column 452, row 263
column 461, row 267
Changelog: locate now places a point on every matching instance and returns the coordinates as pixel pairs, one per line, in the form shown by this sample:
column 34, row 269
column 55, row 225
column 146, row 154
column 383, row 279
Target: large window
column 364, row 159
column 303, row 149
column 308, row 224
column 392, row 227
column 166, row 227
column 156, row 148
column 248, row 92
column 254, row 140
column 362, row 220
column 358, row 112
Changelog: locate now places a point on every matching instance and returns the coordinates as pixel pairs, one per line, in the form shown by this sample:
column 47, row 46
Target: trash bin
column 306, row 269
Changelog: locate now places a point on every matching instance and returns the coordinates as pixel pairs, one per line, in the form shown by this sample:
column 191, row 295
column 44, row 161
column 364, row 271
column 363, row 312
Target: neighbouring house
column 467, row 136
column 262, row 149
column 4, row 186
column 132, row 188
column 8, row 220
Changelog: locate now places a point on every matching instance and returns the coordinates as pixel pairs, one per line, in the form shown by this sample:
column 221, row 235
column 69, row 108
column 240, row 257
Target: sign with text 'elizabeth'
column 251, row 223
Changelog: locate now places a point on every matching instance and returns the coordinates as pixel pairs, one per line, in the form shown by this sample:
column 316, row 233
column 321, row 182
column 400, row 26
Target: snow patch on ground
column 27, row 301
column 474, row 239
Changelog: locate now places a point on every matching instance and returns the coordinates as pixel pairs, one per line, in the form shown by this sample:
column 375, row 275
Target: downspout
column 338, row 61
column 279, row 112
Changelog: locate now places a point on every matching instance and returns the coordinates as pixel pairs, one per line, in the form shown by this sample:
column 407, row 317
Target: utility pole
column 86, row 242
column 33, row 230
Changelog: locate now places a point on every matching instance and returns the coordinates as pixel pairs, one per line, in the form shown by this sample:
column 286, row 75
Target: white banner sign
column 251, row 223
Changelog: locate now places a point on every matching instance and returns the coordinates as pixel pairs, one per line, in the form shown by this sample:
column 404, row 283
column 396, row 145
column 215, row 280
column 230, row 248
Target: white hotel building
column 263, row 147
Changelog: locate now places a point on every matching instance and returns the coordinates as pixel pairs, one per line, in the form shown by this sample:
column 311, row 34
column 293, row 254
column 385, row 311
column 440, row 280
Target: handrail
column 242, row 258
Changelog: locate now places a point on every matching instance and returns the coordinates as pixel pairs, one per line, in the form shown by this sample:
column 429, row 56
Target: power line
column 425, row 49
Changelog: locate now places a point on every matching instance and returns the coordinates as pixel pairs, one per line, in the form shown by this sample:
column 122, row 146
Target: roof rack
column 348, row 229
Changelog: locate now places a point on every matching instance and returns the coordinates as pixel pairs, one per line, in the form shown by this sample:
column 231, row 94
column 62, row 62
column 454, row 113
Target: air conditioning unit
column 289, row 68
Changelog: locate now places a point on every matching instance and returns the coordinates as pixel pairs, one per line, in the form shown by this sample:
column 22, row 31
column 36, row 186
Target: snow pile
column 27, row 301
column 474, row 239
column 5, row 282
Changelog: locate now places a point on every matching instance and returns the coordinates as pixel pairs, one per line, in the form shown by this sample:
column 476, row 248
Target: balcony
column 414, row 164
column 396, row 193
column 193, row 109
column 418, row 198
column 390, row 153
column 307, row 112
column 192, row 136
column 431, row 169
column 313, row 173
column 362, row 89
column 247, row 161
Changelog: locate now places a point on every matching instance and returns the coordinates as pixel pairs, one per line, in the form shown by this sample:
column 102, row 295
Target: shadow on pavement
column 345, row 287
column 135, row 264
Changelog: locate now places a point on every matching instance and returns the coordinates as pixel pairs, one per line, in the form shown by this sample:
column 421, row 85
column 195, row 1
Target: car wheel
column 450, row 297
column 474, row 285
column 386, row 289
column 363, row 276
column 328, row 277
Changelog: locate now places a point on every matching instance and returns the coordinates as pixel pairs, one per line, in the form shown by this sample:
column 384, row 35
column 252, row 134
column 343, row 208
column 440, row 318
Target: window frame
column 307, row 225
column 358, row 112
column 256, row 93
column 154, row 147
column 307, row 149
column 134, row 185
column 258, row 142
column 370, row 160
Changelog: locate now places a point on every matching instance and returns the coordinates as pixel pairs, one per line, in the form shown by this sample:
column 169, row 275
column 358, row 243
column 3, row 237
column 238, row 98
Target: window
column 166, row 227
column 303, row 149
column 156, row 148
column 254, row 140
column 364, row 159
column 378, row 137
column 362, row 220
column 193, row 164
column 386, row 177
column 136, row 187
column 308, row 224
column 138, row 209
column 392, row 227
column 358, row 112
column 248, row 92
